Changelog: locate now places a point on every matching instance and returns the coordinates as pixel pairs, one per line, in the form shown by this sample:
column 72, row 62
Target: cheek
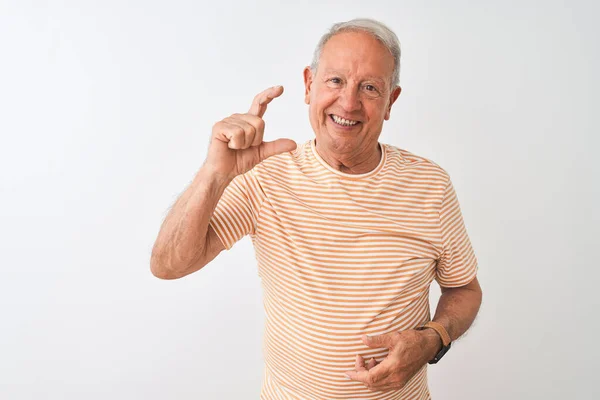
column 320, row 105
column 314, row 113
column 376, row 113
column 323, row 98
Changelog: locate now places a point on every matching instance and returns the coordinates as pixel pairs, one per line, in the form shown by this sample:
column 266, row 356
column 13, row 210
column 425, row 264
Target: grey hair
column 380, row 31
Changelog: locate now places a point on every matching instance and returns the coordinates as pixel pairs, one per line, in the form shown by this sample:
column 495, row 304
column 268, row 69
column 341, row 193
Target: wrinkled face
column 349, row 97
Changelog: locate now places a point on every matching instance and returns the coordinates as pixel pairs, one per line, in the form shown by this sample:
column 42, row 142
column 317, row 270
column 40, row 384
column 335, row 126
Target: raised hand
column 237, row 145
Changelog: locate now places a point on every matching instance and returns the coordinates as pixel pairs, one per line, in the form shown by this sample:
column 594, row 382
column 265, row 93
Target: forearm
column 182, row 236
column 456, row 310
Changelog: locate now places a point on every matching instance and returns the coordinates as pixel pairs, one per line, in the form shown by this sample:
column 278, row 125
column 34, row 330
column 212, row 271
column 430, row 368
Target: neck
column 361, row 161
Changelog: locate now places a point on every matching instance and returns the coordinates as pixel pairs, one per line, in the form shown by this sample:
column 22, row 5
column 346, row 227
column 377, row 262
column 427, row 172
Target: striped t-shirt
column 342, row 255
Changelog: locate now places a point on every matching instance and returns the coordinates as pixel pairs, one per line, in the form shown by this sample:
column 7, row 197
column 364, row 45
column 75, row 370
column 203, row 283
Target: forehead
column 357, row 53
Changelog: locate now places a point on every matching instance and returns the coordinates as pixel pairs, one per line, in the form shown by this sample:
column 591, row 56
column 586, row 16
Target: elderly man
column 348, row 232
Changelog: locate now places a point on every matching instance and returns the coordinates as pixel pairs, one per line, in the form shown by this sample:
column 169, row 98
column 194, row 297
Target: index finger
column 377, row 374
column 259, row 104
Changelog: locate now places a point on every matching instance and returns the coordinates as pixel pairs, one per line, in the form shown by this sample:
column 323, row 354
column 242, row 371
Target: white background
column 105, row 113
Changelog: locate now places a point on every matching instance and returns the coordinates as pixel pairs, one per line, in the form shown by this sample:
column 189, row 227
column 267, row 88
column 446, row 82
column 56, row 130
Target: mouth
column 343, row 122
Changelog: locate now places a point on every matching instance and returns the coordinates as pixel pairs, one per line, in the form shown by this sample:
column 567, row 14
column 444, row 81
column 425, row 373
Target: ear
column 393, row 97
column 308, row 79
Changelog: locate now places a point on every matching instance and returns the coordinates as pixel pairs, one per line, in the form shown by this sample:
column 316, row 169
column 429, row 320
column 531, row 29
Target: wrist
column 433, row 342
column 212, row 176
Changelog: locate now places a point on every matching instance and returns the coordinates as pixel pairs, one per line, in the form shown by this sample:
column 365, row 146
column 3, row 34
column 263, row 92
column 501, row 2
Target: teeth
column 343, row 121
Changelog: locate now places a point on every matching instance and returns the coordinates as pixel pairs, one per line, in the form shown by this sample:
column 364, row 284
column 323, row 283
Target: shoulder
column 412, row 163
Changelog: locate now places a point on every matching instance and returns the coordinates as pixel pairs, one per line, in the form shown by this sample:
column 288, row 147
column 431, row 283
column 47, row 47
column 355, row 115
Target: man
column 349, row 233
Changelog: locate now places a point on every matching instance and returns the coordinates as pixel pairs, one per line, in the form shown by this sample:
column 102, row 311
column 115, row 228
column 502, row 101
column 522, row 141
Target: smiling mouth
column 342, row 121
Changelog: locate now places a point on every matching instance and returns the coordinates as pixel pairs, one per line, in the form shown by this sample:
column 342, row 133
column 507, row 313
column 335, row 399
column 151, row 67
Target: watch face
column 440, row 354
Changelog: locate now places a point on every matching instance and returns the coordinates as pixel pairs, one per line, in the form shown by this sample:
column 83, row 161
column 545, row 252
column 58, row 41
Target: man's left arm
column 410, row 350
column 456, row 310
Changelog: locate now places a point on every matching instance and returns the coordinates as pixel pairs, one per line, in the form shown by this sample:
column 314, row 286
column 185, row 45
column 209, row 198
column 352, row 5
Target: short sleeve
column 457, row 264
column 236, row 213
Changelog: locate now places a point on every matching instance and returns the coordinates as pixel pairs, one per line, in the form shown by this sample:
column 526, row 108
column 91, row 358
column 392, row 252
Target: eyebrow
column 370, row 77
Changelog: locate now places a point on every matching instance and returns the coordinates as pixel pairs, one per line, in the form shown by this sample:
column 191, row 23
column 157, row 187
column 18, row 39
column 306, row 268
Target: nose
column 349, row 99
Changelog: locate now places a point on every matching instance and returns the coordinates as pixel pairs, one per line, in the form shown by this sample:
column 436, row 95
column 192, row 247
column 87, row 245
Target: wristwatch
column 446, row 341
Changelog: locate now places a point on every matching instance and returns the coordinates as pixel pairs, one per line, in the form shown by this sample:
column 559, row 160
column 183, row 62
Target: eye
column 336, row 80
column 370, row 88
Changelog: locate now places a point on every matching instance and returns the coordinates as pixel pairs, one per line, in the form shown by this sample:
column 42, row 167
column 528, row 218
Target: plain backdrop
column 105, row 113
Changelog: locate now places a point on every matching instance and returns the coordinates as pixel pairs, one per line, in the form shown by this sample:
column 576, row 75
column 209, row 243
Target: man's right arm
column 186, row 242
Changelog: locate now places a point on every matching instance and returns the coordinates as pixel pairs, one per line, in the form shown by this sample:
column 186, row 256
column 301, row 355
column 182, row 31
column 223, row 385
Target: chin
column 339, row 142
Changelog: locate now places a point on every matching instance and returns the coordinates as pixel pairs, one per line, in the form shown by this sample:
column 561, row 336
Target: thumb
column 380, row 341
column 268, row 149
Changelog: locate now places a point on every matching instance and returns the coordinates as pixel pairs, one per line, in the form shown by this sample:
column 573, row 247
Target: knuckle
column 261, row 124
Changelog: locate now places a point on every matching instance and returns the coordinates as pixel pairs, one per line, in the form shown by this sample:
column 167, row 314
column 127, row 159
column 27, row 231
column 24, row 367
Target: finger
column 259, row 104
column 268, row 149
column 374, row 377
column 365, row 377
column 359, row 363
column 387, row 340
column 248, row 132
column 229, row 133
column 360, row 376
column 372, row 362
column 381, row 371
column 258, row 124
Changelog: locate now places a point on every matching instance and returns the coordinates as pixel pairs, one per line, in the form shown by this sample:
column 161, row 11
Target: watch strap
column 440, row 330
